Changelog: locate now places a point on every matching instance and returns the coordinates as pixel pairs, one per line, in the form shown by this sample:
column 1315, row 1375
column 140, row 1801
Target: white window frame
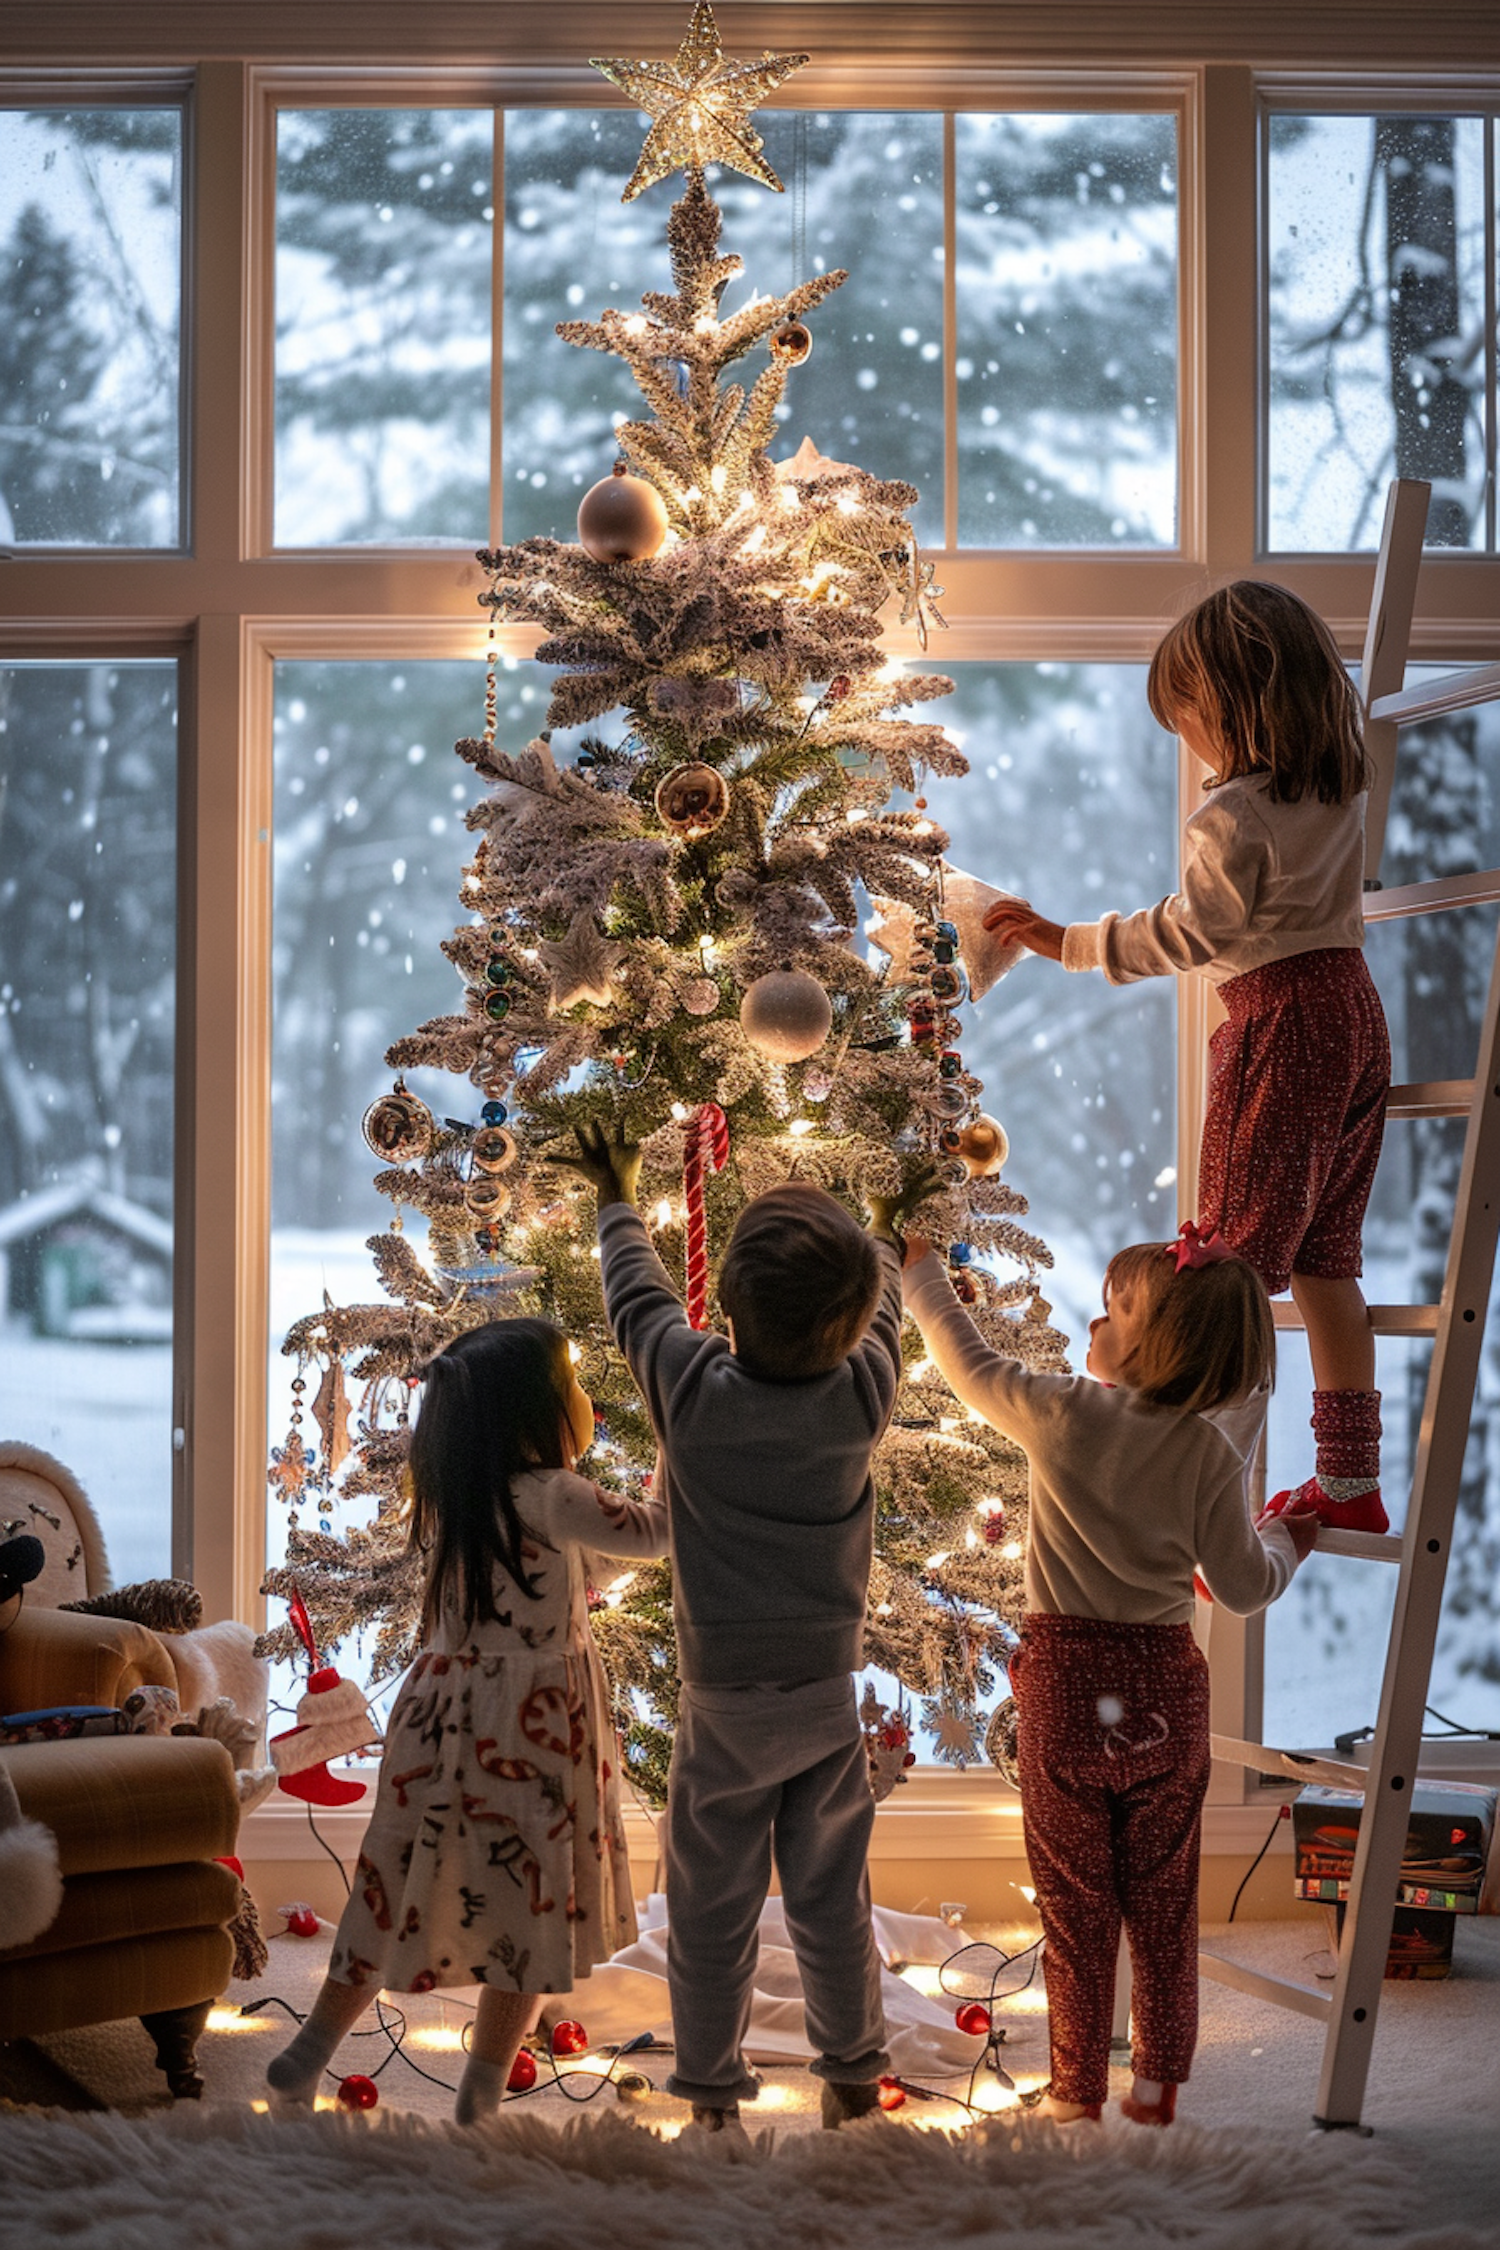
column 231, row 604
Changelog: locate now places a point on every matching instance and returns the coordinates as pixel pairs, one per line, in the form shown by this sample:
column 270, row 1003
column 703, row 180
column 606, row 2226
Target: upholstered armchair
column 140, row 1823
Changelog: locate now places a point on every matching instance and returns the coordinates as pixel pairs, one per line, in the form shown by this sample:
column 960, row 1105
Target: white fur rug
column 228, row 2179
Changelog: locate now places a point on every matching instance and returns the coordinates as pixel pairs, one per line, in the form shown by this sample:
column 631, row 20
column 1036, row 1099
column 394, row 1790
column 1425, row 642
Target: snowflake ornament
column 955, row 1737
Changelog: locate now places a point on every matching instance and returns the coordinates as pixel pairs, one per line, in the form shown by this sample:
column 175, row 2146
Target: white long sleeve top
column 1125, row 1499
column 1260, row 882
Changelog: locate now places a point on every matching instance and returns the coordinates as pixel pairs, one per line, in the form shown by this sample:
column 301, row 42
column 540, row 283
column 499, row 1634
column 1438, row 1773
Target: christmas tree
column 661, row 936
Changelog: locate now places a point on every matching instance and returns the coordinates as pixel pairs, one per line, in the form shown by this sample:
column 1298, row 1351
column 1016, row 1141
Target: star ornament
column 582, row 964
column 699, row 105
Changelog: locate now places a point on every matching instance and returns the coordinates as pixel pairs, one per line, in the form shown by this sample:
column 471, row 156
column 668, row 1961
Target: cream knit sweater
column 1260, row 881
column 1125, row 1499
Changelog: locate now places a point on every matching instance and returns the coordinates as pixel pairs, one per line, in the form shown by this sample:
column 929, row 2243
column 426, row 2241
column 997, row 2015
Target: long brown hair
column 494, row 1405
column 1263, row 674
column 1206, row 1336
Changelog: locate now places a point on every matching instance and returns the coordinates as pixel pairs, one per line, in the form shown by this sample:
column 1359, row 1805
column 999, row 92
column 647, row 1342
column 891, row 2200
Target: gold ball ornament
column 493, row 1149
column 487, row 1197
column 786, row 1015
column 791, row 344
column 398, row 1126
column 622, row 518
column 984, row 1145
column 692, row 801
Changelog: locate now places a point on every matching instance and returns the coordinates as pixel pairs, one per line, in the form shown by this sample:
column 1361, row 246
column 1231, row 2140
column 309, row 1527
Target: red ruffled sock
column 1344, row 1490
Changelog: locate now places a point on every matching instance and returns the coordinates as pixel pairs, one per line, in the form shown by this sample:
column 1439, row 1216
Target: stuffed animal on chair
column 42, row 1499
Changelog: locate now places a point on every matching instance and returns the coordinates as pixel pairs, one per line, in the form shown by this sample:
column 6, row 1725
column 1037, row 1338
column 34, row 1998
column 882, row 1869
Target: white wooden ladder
column 1456, row 1324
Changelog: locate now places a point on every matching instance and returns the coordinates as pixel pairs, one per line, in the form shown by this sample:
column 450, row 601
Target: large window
column 88, row 900
column 1056, row 358
column 1127, row 330
column 1380, row 243
column 90, row 293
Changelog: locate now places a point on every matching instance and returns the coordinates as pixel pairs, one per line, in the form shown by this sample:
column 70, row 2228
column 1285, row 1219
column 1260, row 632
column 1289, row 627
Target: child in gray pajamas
column 766, row 1437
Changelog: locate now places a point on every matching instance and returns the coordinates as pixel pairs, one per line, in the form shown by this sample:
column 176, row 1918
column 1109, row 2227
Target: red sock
column 1346, row 1425
column 1345, row 1489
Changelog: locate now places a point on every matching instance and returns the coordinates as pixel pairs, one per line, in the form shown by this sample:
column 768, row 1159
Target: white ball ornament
column 786, row 1015
column 622, row 518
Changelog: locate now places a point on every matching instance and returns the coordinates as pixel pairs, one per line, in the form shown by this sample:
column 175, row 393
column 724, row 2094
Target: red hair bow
column 1193, row 1249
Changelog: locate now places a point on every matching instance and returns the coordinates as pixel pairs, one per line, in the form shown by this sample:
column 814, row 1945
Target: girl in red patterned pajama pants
column 1131, row 1487
column 1269, row 911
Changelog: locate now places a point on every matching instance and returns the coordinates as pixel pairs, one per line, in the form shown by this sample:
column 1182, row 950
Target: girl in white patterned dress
column 496, row 1853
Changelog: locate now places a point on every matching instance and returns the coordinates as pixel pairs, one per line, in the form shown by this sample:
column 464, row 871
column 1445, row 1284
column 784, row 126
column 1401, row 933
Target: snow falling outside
column 1065, row 366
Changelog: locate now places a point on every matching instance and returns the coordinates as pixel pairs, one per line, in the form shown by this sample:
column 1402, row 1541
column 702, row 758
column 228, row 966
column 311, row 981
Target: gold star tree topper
column 699, row 105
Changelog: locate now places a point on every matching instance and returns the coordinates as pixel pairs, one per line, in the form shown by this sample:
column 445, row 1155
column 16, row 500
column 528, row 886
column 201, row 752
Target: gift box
column 1421, row 1944
column 1449, row 1835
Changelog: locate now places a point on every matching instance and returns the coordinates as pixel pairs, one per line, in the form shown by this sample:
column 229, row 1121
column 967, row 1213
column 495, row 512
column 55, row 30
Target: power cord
column 1283, row 1812
column 631, row 2084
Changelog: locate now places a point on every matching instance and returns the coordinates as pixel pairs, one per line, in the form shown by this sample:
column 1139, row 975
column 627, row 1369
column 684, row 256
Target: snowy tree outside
column 88, row 901
column 1339, row 248
column 90, row 308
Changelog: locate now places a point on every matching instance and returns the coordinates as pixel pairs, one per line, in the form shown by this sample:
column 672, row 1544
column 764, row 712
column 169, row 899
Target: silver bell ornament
column 786, row 1015
column 622, row 518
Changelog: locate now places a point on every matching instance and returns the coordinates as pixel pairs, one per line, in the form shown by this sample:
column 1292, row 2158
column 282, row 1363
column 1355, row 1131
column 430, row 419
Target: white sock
column 1063, row 2113
column 1148, row 2090
column 293, row 2074
column 479, row 2091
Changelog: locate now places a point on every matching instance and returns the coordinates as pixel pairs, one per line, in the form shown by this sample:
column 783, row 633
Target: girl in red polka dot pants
column 1131, row 1486
column 1269, row 910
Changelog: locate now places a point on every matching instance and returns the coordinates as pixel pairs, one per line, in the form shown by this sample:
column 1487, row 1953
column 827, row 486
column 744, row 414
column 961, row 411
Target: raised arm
column 1225, row 858
column 879, row 1349
column 581, row 1513
column 645, row 1312
column 1000, row 1389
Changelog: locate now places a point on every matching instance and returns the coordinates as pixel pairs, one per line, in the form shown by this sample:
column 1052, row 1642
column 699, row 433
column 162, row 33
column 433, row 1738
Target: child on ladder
column 1130, row 1487
column 1269, row 911
column 496, row 1853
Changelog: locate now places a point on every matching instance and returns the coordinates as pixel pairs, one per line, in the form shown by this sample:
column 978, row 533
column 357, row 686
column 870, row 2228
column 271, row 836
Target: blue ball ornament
column 494, row 1113
column 960, row 1253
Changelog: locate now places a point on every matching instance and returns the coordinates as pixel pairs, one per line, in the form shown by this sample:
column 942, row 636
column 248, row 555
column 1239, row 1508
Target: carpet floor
column 1240, row 2171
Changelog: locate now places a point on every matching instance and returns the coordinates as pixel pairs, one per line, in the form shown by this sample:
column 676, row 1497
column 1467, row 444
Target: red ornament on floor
column 974, row 2018
column 569, row 2038
column 892, row 2096
column 358, row 2092
column 301, row 1921
column 522, row 2073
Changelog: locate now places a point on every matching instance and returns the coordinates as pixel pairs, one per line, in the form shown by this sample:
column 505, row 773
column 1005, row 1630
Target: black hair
column 494, row 1405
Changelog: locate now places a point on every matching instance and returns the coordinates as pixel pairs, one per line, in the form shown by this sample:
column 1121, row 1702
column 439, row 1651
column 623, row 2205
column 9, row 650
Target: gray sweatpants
column 757, row 1769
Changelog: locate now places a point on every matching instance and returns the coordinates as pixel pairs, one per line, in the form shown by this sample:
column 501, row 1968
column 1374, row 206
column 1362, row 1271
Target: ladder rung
column 1373, row 1546
column 1438, row 1097
column 1386, row 1320
column 1276, row 1989
column 1446, row 892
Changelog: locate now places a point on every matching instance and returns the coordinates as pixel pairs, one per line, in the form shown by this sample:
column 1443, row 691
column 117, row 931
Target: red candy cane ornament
column 705, row 1140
